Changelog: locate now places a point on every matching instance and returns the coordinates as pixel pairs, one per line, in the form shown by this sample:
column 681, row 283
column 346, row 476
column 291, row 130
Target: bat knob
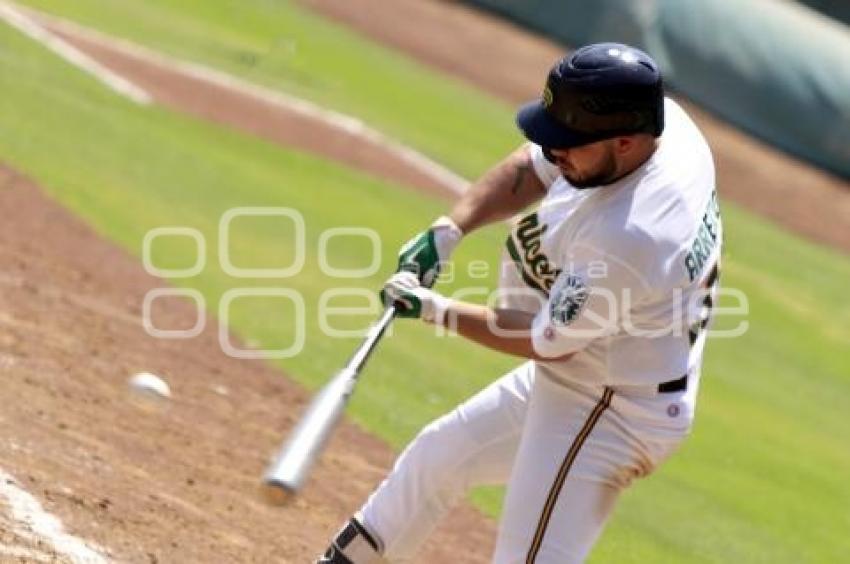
column 277, row 493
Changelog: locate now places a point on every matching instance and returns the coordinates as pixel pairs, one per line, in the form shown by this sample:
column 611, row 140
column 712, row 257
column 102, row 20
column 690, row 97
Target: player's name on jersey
column 706, row 239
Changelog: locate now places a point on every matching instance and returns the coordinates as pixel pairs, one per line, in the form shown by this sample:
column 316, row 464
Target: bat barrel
column 290, row 468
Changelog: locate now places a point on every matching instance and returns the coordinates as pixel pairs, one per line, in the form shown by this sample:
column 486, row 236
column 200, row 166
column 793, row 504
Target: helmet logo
column 548, row 98
column 625, row 55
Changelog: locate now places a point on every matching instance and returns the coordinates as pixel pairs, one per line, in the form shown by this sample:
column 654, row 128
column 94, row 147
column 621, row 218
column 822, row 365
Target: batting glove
column 413, row 300
column 423, row 253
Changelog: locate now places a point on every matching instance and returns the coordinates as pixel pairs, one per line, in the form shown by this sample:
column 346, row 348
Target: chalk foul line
column 31, row 521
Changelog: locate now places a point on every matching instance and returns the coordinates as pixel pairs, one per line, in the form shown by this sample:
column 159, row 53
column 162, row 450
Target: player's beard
column 605, row 173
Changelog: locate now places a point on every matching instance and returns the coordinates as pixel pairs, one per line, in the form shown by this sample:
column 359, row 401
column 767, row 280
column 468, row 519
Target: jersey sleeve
column 545, row 171
column 588, row 300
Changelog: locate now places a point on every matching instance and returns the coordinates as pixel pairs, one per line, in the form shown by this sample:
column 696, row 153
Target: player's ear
column 624, row 144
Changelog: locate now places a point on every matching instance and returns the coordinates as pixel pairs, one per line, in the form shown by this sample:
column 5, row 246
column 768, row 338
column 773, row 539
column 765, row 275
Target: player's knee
column 353, row 544
column 440, row 446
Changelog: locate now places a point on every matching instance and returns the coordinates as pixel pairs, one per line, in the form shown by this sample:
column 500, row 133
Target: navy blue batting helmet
column 599, row 91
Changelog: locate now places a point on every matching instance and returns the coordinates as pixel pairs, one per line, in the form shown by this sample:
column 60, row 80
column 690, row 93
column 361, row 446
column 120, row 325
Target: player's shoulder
column 676, row 182
column 682, row 140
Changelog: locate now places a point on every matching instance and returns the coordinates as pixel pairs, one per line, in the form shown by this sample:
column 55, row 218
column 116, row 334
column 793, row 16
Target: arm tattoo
column 521, row 171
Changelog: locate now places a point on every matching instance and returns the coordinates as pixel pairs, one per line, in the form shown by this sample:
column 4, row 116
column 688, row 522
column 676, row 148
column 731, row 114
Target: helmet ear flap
column 659, row 112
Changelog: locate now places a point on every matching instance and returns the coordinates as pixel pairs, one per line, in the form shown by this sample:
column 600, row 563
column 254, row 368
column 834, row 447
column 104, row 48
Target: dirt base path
column 227, row 100
column 510, row 63
column 154, row 485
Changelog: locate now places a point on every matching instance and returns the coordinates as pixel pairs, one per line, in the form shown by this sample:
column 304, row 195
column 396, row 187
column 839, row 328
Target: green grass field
column 761, row 480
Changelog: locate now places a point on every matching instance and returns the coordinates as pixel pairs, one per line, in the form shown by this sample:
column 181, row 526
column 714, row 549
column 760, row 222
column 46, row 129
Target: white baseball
column 150, row 385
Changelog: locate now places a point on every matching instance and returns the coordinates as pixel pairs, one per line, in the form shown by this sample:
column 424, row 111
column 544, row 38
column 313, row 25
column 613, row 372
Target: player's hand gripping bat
column 287, row 474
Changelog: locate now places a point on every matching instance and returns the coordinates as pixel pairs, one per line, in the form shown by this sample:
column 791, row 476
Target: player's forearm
column 504, row 330
column 504, row 190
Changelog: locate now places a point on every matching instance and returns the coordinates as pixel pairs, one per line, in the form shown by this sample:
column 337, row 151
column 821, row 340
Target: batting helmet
column 599, row 91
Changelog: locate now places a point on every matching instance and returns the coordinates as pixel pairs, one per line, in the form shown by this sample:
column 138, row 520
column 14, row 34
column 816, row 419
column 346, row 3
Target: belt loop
column 677, row 385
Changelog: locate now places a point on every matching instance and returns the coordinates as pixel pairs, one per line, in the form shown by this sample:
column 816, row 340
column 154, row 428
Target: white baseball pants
column 566, row 451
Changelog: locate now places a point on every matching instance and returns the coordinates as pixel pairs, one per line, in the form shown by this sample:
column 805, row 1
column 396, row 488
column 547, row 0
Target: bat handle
column 361, row 355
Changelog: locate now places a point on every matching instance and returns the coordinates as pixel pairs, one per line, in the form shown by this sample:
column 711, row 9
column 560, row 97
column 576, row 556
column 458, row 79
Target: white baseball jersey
column 620, row 274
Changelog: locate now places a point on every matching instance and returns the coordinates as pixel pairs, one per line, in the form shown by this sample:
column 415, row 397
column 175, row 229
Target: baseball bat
column 288, row 472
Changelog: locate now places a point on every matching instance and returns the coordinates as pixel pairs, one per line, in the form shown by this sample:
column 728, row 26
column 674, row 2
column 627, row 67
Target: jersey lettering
column 706, row 239
column 524, row 245
column 709, row 286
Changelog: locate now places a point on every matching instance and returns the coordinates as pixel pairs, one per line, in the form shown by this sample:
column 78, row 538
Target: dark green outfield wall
column 776, row 69
column 836, row 9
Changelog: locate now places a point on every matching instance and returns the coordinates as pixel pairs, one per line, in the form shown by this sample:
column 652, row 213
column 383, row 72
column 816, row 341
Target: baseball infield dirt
column 177, row 484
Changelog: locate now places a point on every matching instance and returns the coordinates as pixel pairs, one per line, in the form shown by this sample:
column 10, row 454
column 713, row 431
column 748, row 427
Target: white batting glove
column 404, row 290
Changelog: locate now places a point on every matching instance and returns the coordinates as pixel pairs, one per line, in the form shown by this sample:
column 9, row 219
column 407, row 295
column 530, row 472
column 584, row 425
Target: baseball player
column 606, row 290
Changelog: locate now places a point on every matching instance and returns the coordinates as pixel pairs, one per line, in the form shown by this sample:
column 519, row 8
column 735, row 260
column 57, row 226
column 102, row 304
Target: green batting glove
column 424, row 253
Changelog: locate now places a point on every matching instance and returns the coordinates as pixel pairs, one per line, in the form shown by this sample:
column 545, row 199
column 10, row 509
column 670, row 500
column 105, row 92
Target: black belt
column 673, row 385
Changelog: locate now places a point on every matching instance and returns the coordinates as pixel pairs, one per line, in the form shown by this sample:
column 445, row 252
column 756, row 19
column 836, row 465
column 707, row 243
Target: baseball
column 149, row 386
